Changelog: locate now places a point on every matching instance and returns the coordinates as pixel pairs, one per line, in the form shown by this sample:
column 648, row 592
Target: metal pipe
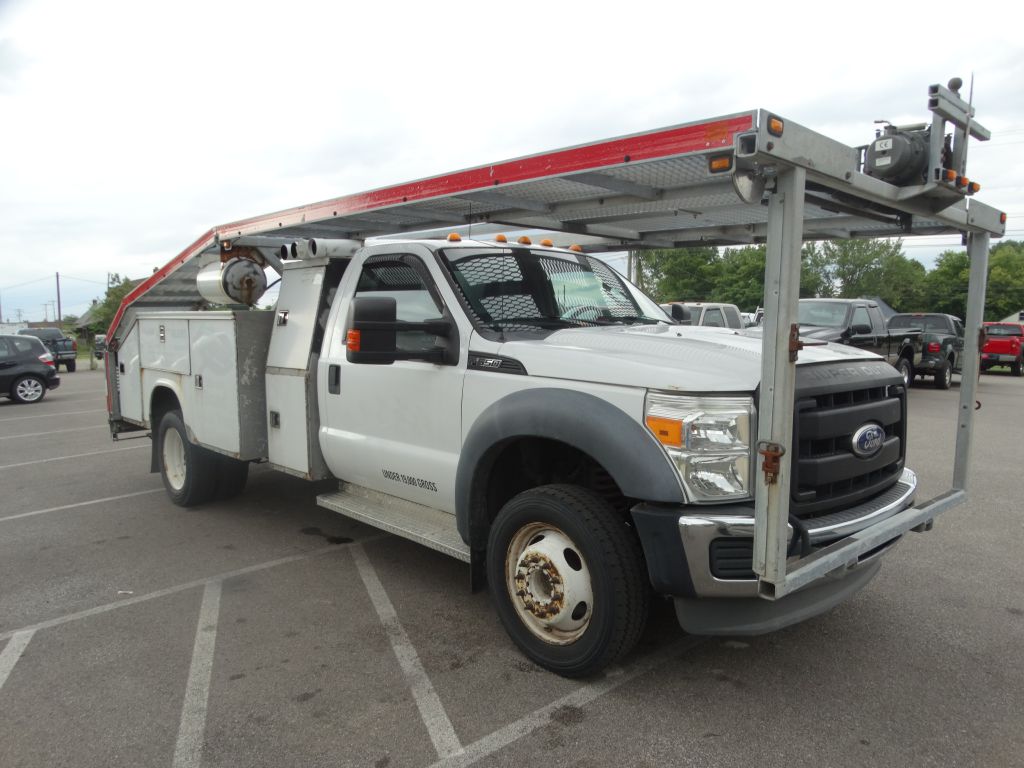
column 333, row 248
column 977, row 252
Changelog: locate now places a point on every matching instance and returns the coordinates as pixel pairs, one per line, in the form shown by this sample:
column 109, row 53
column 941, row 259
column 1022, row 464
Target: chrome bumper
column 698, row 531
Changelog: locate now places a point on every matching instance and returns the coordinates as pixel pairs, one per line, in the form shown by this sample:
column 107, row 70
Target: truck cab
column 860, row 323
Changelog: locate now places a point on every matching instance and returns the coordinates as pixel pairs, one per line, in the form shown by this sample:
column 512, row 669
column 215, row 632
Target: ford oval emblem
column 867, row 441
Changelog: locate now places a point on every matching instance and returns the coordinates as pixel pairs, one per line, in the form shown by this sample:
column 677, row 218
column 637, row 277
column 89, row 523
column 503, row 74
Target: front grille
column 826, row 473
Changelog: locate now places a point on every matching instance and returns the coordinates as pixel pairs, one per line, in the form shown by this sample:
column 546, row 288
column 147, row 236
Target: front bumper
column 717, row 605
column 993, row 358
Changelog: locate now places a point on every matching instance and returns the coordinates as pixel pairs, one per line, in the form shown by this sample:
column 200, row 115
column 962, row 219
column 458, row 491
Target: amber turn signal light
column 668, row 431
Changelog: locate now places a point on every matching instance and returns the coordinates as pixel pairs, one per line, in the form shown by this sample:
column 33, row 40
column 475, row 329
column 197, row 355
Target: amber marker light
column 962, row 181
column 352, row 341
column 668, row 431
column 775, row 126
column 576, row 248
column 546, row 243
column 500, row 239
column 948, row 174
column 454, row 237
column 524, row 240
column 720, row 164
column 974, row 187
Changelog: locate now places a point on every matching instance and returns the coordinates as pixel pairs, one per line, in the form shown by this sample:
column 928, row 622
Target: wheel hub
column 549, row 583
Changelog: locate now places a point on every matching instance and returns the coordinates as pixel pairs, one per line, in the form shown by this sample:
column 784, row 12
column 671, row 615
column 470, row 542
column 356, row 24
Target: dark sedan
column 27, row 369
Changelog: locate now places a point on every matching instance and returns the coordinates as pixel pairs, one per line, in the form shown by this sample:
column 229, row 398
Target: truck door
column 394, row 428
column 865, row 334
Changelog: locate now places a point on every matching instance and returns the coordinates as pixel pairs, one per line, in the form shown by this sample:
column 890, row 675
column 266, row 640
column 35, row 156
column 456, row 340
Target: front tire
column 28, row 389
column 568, row 579
column 188, row 471
column 906, row 371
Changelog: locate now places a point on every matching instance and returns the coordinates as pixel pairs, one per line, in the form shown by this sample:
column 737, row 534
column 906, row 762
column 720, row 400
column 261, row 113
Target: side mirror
column 373, row 329
column 680, row 314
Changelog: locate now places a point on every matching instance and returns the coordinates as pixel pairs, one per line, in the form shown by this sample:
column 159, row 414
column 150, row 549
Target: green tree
column 105, row 311
column 1004, row 295
column 857, row 264
column 816, row 279
column 945, row 286
column 679, row 274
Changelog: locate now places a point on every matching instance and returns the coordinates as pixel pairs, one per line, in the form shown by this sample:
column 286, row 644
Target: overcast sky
column 130, row 128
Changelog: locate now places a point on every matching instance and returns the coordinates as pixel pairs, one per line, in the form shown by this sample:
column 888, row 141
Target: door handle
column 334, row 379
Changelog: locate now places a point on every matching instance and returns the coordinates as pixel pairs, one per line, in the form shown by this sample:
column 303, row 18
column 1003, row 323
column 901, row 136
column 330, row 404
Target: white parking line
column 12, row 652
column 52, row 415
column 188, row 752
column 79, row 504
column 67, row 618
column 442, row 734
column 501, row 738
column 73, row 456
column 54, row 432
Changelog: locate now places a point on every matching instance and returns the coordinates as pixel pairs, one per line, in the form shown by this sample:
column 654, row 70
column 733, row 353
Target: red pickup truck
column 1004, row 346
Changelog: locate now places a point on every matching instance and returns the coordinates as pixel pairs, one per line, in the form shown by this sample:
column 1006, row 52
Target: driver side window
column 392, row 276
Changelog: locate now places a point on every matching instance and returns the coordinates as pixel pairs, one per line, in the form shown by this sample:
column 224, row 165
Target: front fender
column 620, row 444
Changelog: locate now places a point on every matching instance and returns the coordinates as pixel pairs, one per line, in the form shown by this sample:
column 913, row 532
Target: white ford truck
column 527, row 409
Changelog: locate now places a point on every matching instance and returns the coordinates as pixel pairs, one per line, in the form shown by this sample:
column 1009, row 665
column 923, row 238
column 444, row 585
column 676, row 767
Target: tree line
column 840, row 269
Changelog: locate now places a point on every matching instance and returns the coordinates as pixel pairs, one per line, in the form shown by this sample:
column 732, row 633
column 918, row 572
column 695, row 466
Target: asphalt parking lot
column 266, row 631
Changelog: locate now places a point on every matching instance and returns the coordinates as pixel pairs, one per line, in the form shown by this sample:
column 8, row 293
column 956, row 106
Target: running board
column 424, row 525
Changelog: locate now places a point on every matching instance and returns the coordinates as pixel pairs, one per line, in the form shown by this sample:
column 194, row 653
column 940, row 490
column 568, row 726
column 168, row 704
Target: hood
column 665, row 357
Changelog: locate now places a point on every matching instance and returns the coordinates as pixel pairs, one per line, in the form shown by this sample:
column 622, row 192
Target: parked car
column 1004, row 346
column 27, row 369
column 99, row 345
column 942, row 343
column 710, row 314
column 859, row 323
column 63, row 348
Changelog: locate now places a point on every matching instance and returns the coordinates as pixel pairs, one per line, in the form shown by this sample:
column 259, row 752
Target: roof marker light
column 500, row 239
column 948, row 174
column 576, row 248
column 454, row 237
column 973, row 187
column 524, row 240
column 962, row 181
column 546, row 243
column 775, row 126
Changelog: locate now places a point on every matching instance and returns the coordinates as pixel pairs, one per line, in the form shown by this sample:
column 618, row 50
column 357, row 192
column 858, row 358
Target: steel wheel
column 174, row 459
column 189, row 471
column 28, row 390
column 568, row 579
column 550, row 581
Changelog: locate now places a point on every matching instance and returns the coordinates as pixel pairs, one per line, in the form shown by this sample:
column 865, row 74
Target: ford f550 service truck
column 528, row 410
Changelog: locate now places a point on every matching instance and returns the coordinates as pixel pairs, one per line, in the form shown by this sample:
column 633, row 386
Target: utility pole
column 60, row 317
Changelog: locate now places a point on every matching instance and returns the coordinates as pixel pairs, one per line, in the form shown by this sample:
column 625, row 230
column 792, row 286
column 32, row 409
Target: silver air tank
column 236, row 281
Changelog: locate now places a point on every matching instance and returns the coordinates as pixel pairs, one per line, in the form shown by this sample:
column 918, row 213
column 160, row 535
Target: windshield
column 523, row 290
column 934, row 324
column 1003, row 330
column 827, row 314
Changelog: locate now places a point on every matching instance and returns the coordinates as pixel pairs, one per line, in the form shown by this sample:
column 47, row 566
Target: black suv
column 27, row 369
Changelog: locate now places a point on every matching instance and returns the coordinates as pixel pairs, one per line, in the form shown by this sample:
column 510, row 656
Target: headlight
column 708, row 439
